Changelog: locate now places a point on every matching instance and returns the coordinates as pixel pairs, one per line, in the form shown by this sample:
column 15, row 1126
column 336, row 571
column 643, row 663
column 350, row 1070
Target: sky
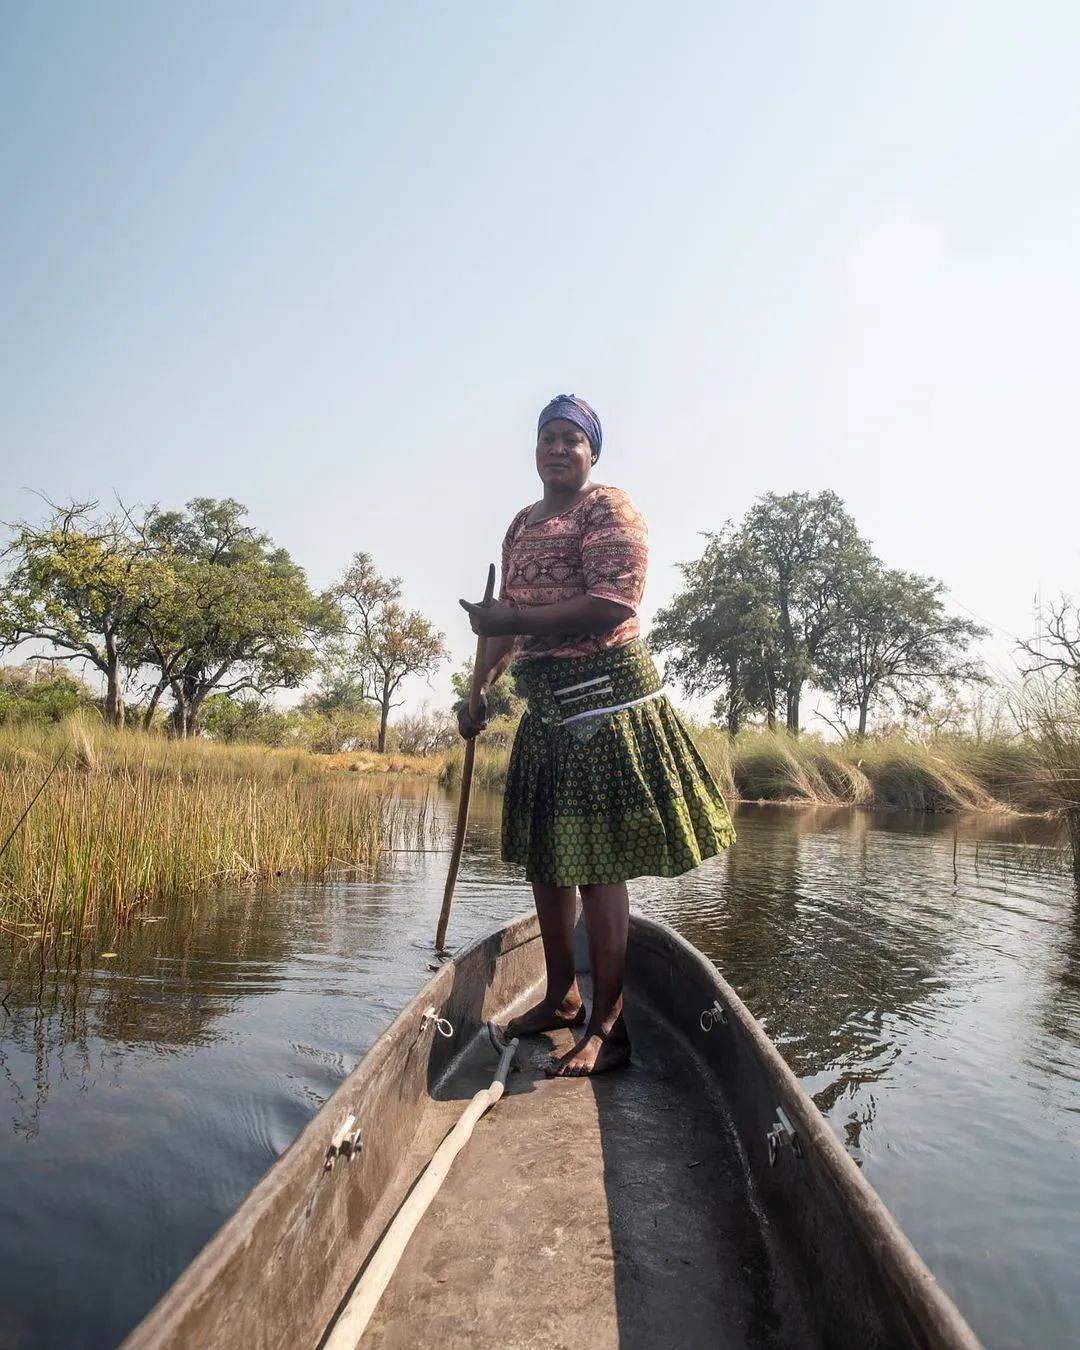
column 332, row 259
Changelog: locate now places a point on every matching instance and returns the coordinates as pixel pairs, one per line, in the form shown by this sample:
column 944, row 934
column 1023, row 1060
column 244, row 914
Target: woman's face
column 563, row 455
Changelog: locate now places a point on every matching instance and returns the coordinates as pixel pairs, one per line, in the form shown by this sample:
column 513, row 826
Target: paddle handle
column 466, row 777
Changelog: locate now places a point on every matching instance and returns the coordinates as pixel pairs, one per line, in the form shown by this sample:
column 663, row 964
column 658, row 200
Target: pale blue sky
column 331, row 260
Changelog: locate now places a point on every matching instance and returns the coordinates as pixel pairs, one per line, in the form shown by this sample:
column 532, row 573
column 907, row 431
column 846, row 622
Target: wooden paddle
column 466, row 777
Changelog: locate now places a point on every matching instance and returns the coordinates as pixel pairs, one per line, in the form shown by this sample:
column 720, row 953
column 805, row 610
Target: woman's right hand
column 467, row 725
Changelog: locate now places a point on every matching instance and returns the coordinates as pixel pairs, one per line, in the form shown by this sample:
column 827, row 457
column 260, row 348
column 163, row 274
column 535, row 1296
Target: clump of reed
column 489, row 767
column 759, row 765
column 915, row 776
column 492, row 757
column 776, row 766
column 125, row 819
column 1050, row 709
column 94, row 746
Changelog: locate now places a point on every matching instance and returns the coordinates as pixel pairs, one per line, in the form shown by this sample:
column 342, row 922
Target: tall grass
column 1051, row 710
column 774, row 766
column 489, row 769
column 129, row 818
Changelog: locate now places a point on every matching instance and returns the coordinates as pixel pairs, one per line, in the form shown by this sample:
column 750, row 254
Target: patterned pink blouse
column 599, row 547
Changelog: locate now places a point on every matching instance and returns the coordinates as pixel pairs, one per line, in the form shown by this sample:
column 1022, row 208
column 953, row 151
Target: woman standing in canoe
column 604, row 783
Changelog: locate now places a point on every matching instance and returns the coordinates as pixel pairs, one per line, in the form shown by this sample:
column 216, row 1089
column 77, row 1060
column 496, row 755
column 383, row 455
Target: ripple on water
column 918, row 975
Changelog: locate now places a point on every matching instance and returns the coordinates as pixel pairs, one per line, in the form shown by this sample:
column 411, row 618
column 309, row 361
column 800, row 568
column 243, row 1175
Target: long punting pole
column 466, row 778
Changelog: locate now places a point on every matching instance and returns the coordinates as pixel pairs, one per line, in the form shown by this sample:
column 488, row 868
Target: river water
column 921, row 975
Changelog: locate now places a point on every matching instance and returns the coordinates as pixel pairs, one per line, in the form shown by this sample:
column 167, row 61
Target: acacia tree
column 720, row 631
column 810, row 554
column 80, row 583
column 381, row 643
column 896, row 643
column 236, row 615
column 760, row 605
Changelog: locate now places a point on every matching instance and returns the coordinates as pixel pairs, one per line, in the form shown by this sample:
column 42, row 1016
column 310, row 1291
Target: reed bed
column 774, row 766
column 124, row 820
column 1051, row 710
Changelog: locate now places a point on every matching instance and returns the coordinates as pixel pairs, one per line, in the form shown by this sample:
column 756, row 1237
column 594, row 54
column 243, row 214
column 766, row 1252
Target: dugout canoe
column 697, row 1198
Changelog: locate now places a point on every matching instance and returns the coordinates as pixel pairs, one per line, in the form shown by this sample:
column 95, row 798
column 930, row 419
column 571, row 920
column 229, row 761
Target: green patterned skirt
column 604, row 782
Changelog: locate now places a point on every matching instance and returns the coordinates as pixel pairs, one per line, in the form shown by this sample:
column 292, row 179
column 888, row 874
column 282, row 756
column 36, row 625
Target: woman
column 604, row 783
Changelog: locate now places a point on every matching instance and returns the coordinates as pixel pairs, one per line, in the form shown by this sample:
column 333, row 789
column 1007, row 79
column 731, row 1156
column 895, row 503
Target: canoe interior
column 605, row 1213
column 636, row 1209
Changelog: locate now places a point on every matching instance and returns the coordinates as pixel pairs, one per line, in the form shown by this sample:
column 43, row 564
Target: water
column 918, row 974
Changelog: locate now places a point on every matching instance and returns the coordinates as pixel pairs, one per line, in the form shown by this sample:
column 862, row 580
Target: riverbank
column 774, row 766
column 103, row 822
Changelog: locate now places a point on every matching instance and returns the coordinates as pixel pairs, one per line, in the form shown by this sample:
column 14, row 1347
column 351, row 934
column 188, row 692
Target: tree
column 761, row 603
column 1056, row 652
column 424, row 732
column 896, row 642
column 235, row 615
column 810, row 553
column 720, row 631
column 381, row 643
column 80, row 583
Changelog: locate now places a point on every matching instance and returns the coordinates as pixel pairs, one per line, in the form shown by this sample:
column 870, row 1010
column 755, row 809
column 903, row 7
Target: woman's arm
column 500, row 624
column 498, row 653
column 582, row 614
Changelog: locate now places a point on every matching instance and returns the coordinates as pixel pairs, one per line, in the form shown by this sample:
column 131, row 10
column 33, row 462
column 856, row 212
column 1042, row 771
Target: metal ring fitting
column 713, row 1016
column 442, row 1026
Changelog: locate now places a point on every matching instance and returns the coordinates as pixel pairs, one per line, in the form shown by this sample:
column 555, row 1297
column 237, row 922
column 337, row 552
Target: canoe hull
column 858, row 1278
column 277, row 1272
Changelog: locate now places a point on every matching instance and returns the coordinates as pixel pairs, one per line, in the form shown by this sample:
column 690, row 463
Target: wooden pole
column 364, row 1299
column 466, row 778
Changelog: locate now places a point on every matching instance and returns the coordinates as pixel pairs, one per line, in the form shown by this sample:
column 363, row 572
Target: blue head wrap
column 575, row 410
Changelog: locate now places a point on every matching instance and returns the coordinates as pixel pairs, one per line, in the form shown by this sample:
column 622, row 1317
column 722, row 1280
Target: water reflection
column 919, row 974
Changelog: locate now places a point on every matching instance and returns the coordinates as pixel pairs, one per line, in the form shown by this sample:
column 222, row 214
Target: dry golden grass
column 1051, row 709
column 371, row 762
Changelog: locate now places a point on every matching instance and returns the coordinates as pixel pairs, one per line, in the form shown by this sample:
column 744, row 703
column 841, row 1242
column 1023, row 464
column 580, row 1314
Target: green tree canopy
column 381, row 642
column 896, row 644
column 38, row 692
column 236, row 614
column 502, row 698
column 81, row 583
column 793, row 595
column 810, row 552
column 720, row 631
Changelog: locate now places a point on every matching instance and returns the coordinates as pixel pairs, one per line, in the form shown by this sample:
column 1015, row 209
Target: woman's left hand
column 492, row 620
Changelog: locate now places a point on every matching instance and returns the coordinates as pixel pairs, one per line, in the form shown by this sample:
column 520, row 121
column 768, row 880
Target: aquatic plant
column 1050, row 707
column 129, row 818
column 773, row 766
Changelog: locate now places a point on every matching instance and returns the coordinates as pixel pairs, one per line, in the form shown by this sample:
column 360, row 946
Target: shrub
column 40, row 694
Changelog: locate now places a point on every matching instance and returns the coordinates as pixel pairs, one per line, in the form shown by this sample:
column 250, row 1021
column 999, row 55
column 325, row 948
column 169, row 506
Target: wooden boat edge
column 195, row 1281
column 935, row 1314
column 935, row 1319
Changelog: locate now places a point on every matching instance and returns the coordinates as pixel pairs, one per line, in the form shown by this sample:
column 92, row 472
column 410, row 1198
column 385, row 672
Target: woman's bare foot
column 547, row 1016
column 596, row 1052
